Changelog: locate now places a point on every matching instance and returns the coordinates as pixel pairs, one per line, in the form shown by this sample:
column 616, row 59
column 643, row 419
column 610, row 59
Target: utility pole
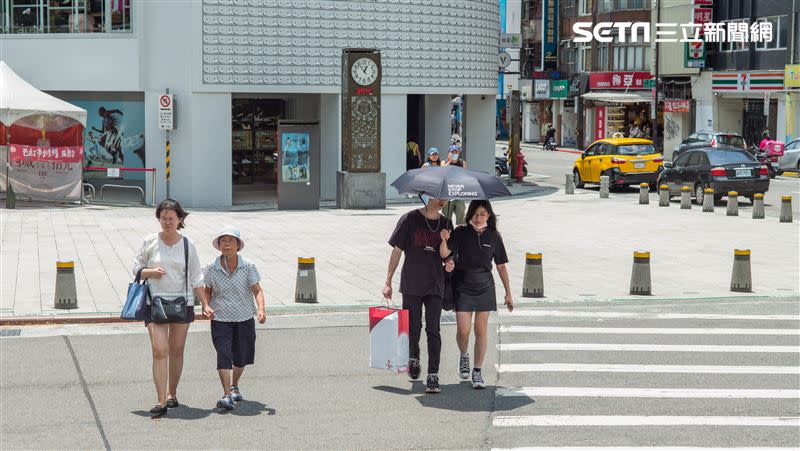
column 654, row 106
column 515, row 133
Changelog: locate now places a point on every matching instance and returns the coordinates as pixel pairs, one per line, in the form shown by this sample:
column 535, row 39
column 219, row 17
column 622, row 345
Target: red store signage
column 702, row 16
column 704, row 2
column 677, row 106
column 72, row 154
column 618, row 80
column 600, row 127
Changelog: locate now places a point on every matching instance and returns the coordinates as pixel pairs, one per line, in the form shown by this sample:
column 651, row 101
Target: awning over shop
column 618, row 97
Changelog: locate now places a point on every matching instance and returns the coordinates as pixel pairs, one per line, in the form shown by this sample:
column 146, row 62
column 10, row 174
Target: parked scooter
column 501, row 164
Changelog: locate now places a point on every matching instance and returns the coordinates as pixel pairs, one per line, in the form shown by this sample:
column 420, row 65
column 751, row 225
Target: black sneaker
column 477, row 379
column 463, row 367
column 414, row 369
column 432, row 384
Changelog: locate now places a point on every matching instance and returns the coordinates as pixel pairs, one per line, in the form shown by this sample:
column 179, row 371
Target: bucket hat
column 228, row 231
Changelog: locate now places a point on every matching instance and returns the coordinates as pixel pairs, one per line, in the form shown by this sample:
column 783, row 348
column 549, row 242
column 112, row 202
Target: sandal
column 226, row 403
column 172, row 403
column 158, row 409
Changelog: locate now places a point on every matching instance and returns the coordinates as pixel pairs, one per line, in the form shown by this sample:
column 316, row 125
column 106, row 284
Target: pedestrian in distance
column 433, row 158
column 232, row 284
column 162, row 260
column 474, row 247
column 413, row 154
column 417, row 235
column 456, row 206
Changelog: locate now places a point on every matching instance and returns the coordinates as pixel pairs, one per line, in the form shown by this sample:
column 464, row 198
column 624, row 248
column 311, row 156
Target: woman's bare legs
column 159, row 343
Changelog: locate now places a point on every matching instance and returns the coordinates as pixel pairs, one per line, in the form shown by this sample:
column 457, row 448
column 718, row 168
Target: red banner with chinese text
column 71, row 154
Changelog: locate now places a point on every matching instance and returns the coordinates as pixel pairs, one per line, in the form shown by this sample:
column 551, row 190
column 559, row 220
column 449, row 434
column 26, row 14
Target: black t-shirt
column 476, row 251
column 418, row 237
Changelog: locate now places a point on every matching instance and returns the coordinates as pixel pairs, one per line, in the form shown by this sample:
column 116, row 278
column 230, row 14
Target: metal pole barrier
column 153, row 188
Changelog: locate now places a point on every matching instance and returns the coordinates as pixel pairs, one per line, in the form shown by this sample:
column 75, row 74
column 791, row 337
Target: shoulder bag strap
column 186, row 266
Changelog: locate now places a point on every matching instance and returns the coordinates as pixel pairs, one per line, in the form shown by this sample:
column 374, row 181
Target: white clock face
column 364, row 71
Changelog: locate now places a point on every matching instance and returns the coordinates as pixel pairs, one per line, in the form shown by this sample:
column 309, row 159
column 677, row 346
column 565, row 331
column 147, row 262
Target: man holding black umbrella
column 417, row 234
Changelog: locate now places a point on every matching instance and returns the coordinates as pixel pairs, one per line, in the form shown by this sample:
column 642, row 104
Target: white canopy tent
column 18, row 100
column 42, row 142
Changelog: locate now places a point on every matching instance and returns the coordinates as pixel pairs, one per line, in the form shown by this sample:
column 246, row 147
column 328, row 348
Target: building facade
column 744, row 91
column 237, row 68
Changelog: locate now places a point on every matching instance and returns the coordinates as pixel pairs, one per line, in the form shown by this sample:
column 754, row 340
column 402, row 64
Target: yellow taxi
column 625, row 160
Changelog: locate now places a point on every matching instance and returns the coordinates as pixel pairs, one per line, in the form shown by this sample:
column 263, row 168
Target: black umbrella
column 450, row 182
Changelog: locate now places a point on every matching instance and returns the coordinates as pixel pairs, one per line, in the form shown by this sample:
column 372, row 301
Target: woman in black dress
column 475, row 246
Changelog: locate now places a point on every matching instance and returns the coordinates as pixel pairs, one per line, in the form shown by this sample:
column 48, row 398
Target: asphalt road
column 549, row 168
column 89, row 387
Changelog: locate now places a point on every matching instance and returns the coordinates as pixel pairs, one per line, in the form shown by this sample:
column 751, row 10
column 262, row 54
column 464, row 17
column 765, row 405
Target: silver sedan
column 790, row 161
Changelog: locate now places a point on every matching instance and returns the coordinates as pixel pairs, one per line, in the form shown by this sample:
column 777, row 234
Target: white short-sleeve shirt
column 154, row 253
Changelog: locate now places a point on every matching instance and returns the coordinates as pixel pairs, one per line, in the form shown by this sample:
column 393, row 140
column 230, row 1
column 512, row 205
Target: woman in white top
column 161, row 260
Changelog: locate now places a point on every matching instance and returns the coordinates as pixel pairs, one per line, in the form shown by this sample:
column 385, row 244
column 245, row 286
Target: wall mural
column 114, row 136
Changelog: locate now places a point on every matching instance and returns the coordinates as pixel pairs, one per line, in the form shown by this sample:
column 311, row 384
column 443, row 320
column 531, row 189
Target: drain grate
column 10, row 332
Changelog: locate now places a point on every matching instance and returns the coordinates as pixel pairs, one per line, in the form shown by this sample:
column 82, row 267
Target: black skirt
column 474, row 291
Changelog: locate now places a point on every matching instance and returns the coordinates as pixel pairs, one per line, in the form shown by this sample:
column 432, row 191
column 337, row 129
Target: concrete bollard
column 569, row 184
column 604, row 186
column 640, row 276
column 733, row 203
column 644, row 194
column 663, row 196
column 758, row 206
column 708, row 200
column 741, row 281
column 786, row 208
column 686, row 198
column 533, row 280
column 66, row 296
column 306, row 289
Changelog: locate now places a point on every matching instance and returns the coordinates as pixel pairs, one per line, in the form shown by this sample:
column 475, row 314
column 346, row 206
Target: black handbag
column 175, row 310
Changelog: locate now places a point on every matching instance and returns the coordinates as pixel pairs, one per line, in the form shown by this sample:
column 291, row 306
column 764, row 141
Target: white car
column 790, row 161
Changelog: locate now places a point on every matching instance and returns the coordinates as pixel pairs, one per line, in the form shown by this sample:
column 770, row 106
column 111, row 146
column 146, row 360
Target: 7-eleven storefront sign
column 747, row 81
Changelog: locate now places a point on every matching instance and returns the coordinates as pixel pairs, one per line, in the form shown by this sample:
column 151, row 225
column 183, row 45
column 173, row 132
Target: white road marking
column 642, row 347
column 625, row 392
column 621, row 368
column 632, row 420
column 644, row 315
column 646, row 331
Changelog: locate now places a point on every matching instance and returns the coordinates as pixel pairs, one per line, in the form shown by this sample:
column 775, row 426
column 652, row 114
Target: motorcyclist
column 551, row 135
column 765, row 134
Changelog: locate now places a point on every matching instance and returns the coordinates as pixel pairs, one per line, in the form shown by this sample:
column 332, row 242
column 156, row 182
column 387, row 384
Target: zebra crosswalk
column 608, row 379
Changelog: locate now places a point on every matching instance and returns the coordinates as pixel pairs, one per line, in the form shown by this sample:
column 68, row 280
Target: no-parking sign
column 166, row 112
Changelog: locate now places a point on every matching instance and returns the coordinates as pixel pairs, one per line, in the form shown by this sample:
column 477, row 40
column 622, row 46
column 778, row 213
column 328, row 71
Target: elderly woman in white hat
column 231, row 285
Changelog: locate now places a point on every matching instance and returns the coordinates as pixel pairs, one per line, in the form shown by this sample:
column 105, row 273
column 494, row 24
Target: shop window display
column 65, row 16
column 254, row 140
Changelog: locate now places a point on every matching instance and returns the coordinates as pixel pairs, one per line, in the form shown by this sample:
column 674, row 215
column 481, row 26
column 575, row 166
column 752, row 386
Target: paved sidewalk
column 587, row 244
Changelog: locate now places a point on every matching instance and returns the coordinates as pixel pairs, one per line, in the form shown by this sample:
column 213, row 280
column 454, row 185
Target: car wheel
column 576, row 175
column 772, row 174
column 779, row 171
column 699, row 194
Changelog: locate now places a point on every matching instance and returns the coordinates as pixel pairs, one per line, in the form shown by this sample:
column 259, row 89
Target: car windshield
column 720, row 157
column 731, row 140
column 635, row 149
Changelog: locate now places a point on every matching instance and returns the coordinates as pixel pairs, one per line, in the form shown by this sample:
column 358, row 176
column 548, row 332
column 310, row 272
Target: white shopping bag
column 388, row 339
